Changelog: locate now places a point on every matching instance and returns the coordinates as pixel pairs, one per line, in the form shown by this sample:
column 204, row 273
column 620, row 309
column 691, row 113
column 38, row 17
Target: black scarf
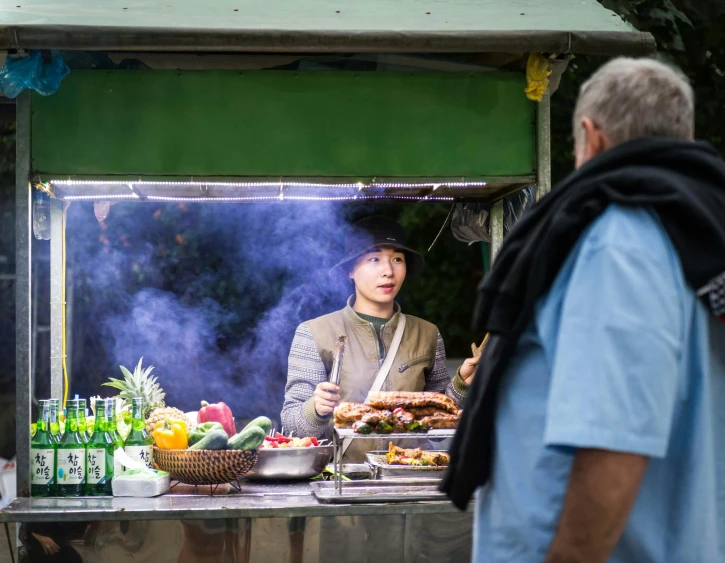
column 684, row 182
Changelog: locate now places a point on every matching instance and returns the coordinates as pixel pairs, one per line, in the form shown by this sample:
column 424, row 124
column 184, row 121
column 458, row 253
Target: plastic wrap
column 470, row 222
column 537, row 76
column 38, row 71
column 516, row 205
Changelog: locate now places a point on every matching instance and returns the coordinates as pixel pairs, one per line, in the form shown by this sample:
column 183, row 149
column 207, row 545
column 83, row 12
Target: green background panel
column 283, row 123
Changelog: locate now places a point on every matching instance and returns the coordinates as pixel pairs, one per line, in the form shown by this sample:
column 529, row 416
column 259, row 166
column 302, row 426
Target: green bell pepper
column 201, row 430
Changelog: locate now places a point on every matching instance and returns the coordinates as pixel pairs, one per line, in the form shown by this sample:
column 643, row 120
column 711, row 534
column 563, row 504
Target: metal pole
column 496, row 228
column 56, row 297
column 23, row 321
column 543, row 146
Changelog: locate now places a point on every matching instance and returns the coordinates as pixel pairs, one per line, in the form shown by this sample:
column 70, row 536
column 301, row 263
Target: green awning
column 578, row 26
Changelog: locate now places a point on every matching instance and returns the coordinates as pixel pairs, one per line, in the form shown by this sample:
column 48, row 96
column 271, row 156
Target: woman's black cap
column 372, row 232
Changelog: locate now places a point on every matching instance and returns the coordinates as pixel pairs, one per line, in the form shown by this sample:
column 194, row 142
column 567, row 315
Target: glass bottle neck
column 100, row 422
column 43, row 418
column 71, row 420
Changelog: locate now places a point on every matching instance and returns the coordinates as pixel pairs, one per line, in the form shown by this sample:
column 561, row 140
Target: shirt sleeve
column 305, row 370
column 615, row 368
column 438, row 379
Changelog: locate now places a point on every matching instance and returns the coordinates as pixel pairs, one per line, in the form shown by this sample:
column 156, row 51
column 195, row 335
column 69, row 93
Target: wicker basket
column 205, row 467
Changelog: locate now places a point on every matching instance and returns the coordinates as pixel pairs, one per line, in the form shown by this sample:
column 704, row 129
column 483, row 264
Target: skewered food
column 365, row 418
column 282, row 441
column 440, row 420
column 402, row 456
column 391, row 400
column 347, row 413
column 361, row 427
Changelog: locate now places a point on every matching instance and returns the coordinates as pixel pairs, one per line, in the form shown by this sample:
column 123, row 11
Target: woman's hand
column 48, row 545
column 468, row 369
column 327, row 397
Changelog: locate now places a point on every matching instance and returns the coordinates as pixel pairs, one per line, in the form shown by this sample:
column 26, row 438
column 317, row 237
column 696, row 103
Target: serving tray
column 399, row 490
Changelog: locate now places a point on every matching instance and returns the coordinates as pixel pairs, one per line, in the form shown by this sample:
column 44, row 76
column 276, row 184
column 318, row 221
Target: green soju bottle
column 82, row 423
column 138, row 443
column 54, row 424
column 71, row 475
column 42, row 455
column 99, row 455
column 115, row 436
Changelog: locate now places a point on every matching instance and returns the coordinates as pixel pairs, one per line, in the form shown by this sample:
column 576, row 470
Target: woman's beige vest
column 362, row 361
column 414, row 360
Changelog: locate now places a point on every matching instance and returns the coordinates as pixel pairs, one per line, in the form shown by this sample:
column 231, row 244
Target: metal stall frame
column 589, row 29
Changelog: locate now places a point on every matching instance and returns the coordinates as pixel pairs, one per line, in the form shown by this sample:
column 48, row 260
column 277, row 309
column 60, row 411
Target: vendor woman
column 377, row 261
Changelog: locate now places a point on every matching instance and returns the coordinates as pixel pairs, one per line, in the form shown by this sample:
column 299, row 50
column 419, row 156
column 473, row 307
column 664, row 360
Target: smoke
column 210, row 294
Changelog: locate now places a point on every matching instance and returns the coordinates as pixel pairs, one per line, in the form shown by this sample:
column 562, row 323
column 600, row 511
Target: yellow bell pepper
column 170, row 434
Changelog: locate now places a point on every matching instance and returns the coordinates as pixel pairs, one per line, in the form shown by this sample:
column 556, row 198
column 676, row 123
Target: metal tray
column 380, row 469
column 400, row 490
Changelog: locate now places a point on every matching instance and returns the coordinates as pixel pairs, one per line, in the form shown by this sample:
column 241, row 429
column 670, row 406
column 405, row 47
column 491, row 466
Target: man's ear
column 596, row 139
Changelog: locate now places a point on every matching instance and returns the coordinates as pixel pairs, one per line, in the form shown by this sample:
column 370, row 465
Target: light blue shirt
column 621, row 356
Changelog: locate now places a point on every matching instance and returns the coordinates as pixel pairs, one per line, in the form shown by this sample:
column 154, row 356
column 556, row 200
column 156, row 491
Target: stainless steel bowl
column 290, row 463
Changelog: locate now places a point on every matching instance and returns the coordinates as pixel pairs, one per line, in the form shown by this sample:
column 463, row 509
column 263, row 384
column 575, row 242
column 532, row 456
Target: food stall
column 439, row 114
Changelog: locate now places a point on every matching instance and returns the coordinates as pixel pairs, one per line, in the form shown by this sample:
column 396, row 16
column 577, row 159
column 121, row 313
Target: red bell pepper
column 220, row 413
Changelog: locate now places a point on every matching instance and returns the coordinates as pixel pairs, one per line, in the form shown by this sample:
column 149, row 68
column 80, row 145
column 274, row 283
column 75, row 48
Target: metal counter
column 264, row 523
column 254, row 501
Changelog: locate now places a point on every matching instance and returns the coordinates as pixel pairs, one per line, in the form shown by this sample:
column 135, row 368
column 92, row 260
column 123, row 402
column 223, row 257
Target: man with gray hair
column 595, row 420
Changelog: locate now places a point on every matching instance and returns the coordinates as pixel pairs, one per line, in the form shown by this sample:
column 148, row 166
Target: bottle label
column 71, row 466
column 42, row 466
column 96, row 466
column 141, row 453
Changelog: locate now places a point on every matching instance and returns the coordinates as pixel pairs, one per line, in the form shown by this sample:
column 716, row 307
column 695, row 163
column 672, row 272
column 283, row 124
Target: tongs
column 337, row 360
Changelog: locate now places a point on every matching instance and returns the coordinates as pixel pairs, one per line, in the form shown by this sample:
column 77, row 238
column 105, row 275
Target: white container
column 146, row 485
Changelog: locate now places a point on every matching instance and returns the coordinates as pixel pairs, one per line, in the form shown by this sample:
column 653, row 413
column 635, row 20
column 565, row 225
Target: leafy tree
column 690, row 34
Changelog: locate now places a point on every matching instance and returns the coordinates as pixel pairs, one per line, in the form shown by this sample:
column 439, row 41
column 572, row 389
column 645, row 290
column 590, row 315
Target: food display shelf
column 431, row 434
column 341, row 434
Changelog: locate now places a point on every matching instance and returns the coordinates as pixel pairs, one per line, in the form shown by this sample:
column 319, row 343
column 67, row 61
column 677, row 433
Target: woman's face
column 379, row 275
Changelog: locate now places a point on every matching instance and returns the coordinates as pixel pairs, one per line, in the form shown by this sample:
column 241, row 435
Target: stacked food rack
column 397, row 490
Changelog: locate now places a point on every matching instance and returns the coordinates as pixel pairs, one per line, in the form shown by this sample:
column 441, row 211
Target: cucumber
column 248, row 439
column 263, row 422
column 214, row 440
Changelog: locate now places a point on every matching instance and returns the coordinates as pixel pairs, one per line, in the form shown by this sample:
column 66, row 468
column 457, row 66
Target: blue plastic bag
column 42, row 74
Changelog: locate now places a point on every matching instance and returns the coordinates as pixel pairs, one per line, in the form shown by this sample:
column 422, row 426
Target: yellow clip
column 537, row 76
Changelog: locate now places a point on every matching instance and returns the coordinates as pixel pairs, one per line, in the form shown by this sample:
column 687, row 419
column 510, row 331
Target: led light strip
column 358, row 185
column 203, row 199
column 99, row 197
column 186, row 198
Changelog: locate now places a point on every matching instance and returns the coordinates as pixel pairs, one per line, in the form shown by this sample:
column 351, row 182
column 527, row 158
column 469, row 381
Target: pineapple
column 140, row 383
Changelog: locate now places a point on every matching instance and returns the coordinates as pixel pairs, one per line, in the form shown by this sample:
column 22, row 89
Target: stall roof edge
column 323, row 26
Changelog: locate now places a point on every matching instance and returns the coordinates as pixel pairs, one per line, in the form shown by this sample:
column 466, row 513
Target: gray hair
column 628, row 98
